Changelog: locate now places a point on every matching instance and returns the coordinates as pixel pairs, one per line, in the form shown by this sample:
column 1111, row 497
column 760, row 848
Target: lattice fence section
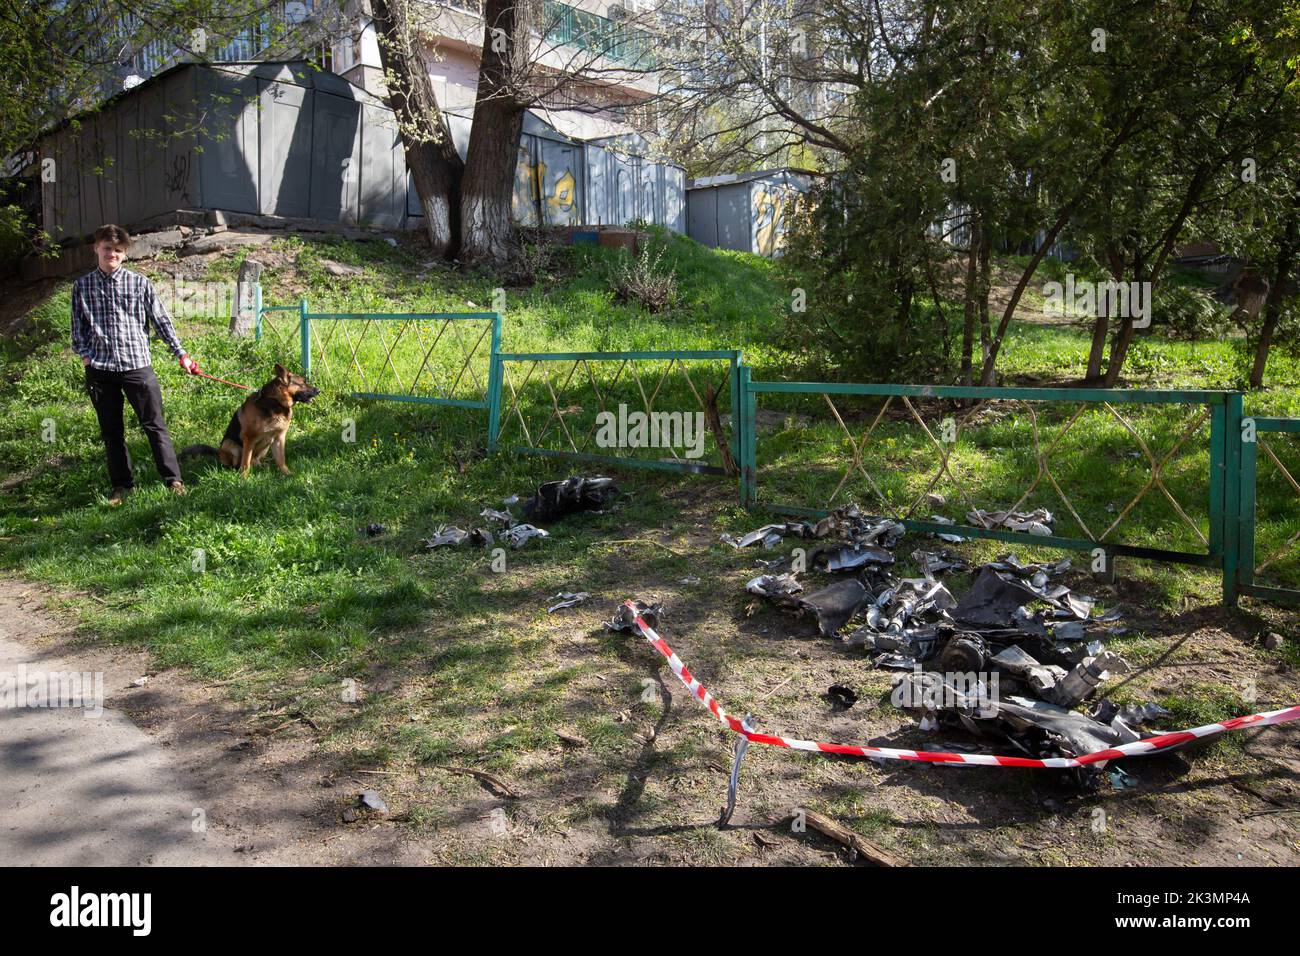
column 1276, row 519
column 1105, row 471
column 277, row 327
column 661, row 409
column 430, row 356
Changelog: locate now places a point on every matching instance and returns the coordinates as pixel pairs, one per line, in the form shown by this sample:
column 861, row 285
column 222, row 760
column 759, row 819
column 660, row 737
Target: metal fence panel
column 430, row 358
column 1270, row 449
column 885, row 452
column 590, row 406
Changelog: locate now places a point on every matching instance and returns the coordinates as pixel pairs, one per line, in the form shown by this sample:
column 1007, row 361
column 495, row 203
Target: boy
column 112, row 308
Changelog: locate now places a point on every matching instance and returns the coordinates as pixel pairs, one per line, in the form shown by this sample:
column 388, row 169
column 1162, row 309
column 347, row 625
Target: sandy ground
column 166, row 775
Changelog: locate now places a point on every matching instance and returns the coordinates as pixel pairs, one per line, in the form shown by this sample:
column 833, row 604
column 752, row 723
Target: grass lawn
column 273, row 584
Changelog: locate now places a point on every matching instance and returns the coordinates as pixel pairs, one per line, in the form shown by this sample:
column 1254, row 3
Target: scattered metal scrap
column 552, row 501
column 832, row 606
column 567, row 599
column 517, row 535
column 781, row 589
column 559, row 499
column 1037, row 522
column 1017, row 631
column 835, row 604
column 769, row 536
column 625, row 620
column 454, row 536
column 855, row 531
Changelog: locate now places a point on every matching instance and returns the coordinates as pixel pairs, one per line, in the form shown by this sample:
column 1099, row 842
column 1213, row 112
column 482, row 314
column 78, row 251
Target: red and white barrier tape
column 1149, row 745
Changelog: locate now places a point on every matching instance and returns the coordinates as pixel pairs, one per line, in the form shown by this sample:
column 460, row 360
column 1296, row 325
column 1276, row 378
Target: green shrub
column 646, row 278
column 1185, row 313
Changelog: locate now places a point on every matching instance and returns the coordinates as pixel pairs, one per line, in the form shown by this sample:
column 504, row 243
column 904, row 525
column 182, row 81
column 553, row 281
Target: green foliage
column 648, row 278
column 1183, row 312
column 1130, row 129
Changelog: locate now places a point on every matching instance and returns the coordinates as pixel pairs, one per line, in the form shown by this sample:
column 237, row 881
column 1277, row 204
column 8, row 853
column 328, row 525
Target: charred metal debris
column 1010, row 659
column 551, row 502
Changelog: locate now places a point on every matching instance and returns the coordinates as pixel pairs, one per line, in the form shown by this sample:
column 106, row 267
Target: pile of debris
column 551, row 502
column 1018, row 629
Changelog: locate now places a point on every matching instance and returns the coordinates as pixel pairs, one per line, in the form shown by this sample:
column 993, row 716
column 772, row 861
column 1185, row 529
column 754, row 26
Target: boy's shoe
column 117, row 496
column 177, row 487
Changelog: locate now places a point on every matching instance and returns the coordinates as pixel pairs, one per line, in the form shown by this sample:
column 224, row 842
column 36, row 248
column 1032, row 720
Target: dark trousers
column 140, row 386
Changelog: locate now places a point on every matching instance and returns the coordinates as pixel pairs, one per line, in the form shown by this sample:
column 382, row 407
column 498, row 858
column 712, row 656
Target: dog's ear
column 281, row 373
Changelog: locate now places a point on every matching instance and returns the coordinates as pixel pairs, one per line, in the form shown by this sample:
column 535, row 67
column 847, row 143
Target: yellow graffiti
column 566, row 192
column 769, row 219
column 530, row 192
column 524, row 201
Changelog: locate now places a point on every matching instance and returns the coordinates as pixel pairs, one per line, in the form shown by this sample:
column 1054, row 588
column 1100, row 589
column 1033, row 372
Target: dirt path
column 85, row 785
column 166, row 774
column 123, row 788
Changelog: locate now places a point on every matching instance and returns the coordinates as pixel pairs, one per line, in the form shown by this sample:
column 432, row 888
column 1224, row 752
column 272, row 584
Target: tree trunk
column 970, row 309
column 1286, row 249
column 487, row 190
column 1195, row 188
column 436, row 167
column 1124, row 337
column 1126, row 132
column 982, row 294
column 1100, row 329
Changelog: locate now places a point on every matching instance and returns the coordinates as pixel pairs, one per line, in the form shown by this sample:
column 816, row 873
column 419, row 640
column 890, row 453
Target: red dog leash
column 202, row 374
column 188, row 364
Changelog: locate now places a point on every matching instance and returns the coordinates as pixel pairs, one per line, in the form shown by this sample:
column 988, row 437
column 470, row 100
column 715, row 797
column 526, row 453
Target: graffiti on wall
column 563, row 196
column 524, row 201
column 538, row 197
column 770, row 217
column 177, row 179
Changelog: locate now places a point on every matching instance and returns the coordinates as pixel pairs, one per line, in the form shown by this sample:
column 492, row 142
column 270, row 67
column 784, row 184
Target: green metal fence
column 1181, row 425
column 1275, row 444
column 570, row 397
column 432, row 358
column 1198, row 472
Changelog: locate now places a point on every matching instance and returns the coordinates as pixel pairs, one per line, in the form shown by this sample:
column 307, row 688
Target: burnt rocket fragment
column 566, row 599
column 993, row 600
column 781, row 589
column 558, row 499
column 625, row 620
column 834, row 606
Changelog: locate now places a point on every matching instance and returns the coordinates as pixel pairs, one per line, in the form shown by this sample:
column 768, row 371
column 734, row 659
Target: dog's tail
column 193, row 450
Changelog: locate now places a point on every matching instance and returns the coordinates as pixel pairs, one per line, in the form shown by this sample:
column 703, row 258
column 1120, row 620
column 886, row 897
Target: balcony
column 596, row 34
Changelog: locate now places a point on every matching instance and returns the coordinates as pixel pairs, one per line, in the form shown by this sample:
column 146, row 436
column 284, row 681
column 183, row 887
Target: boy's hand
column 85, row 360
column 189, row 365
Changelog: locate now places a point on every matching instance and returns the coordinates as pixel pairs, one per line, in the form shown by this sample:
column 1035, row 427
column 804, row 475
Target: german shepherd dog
column 261, row 424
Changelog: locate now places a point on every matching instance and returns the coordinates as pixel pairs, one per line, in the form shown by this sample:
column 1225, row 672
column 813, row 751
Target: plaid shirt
column 111, row 317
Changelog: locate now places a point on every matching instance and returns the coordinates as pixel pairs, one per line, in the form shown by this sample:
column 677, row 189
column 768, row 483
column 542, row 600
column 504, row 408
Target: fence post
column 1233, row 517
column 304, row 334
column 257, row 304
column 494, row 384
column 735, row 407
column 1218, row 478
column 1246, row 539
column 747, row 440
